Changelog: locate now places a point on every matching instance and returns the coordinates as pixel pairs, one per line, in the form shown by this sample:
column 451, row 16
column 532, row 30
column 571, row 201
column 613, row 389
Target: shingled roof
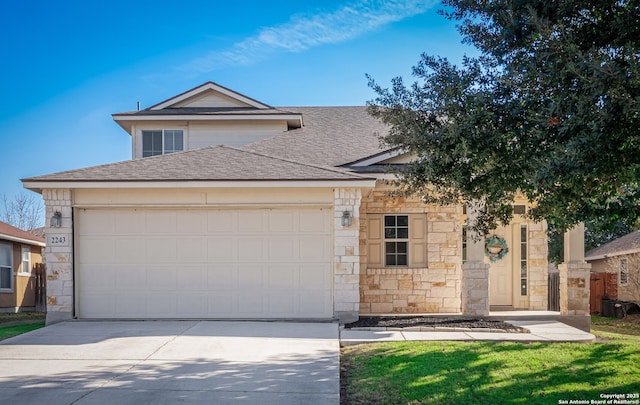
column 215, row 163
column 333, row 136
column 9, row 232
column 629, row 243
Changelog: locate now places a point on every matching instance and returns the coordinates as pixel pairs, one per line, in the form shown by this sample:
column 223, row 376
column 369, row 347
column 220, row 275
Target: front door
column 501, row 272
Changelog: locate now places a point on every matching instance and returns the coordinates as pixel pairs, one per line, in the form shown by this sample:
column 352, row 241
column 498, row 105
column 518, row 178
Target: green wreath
column 495, row 248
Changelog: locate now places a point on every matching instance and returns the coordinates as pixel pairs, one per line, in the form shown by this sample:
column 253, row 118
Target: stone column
column 475, row 272
column 574, row 281
column 346, row 251
column 58, row 255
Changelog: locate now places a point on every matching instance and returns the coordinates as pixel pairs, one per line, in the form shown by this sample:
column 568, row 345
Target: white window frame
column 5, row 267
column 396, row 240
column 624, row 272
column 165, row 133
column 27, row 250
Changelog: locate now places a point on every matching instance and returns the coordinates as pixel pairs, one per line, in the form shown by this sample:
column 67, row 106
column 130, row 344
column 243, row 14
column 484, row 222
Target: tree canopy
column 549, row 109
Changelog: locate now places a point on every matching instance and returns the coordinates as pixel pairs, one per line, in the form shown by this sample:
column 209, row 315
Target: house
column 19, row 252
column 617, row 264
column 231, row 208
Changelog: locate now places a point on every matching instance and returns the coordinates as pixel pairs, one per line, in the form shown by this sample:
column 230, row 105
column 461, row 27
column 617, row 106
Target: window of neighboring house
column 6, row 267
column 26, row 259
column 160, row 142
column 396, row 240
column 624, row 271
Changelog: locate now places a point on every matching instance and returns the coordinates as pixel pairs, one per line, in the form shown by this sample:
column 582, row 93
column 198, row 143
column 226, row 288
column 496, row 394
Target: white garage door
column 258, row 263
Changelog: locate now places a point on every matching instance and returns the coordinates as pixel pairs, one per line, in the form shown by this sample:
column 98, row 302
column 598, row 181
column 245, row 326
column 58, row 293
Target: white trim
column 21, row 240
column 379, row 158
column 210, row 117
column 11, row 270
column 39, row 185
column 214, row 87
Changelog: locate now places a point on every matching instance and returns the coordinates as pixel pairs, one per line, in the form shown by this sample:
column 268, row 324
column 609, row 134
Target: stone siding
column 346, row 297
column 58, row 256
column 538, row 266
column 434, row 289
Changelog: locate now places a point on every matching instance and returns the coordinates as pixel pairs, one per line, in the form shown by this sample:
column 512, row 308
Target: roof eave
column 38, row 185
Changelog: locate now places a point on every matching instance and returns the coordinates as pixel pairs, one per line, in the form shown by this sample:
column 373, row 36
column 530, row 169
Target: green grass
column 490, row 372
column 14, row 330
column 14, row 324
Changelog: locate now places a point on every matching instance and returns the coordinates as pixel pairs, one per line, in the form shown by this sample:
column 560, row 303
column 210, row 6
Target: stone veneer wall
column 433, row 289
column 58, row 256
column 346, row 297
column 538, row 266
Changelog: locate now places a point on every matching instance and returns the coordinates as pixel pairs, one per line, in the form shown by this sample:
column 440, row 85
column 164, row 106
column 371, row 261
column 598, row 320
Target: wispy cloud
column 303, row 32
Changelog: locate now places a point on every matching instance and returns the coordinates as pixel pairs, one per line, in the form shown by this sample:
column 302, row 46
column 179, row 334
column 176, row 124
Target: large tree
column 549, row 109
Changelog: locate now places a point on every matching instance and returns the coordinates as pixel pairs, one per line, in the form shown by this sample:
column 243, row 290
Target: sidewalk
column 540, row 331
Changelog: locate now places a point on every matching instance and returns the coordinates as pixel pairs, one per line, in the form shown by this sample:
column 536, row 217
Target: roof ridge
column 326, row 168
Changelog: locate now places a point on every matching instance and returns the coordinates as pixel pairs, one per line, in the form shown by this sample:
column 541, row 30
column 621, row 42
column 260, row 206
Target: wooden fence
column 40, row 271
column 554, row 291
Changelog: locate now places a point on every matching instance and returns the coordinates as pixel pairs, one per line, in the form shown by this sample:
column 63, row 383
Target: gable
column 209, row 95
column 211, row 99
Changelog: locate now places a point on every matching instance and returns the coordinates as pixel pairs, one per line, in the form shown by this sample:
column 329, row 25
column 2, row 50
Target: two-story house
column 231, row 208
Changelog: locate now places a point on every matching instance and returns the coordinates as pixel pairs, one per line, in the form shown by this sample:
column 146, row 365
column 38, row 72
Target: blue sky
column 68, row 65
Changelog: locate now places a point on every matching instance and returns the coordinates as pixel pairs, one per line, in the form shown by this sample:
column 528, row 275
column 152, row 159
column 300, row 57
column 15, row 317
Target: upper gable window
column 160, row 142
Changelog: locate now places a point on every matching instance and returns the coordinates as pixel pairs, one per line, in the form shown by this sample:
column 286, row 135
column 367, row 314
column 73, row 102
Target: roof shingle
column 215, row 163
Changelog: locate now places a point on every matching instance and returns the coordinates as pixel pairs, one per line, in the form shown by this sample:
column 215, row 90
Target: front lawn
column 490, row 372
column 13, row 324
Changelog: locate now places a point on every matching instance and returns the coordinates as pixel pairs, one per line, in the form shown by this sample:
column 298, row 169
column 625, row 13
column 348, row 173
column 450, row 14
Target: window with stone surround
column 396, row 240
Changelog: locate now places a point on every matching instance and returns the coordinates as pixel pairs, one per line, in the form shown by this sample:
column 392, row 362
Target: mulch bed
column 437, row 322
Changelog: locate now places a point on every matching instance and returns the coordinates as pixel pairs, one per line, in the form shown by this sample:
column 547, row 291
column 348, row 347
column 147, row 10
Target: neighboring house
column 19, row 252
column 619, row 258
column 231, row 208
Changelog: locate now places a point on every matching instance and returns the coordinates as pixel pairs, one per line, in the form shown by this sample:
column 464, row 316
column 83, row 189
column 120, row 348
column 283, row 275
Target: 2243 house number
column 57, row 240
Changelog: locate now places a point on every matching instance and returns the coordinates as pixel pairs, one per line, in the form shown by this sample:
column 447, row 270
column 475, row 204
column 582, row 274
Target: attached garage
column 182, row 263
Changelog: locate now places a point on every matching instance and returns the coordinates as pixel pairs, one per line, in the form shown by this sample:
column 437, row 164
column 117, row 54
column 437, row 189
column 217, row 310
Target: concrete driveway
column 168, row 362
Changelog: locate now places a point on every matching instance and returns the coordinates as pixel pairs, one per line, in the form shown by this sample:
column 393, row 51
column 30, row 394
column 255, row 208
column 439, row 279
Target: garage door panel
column 191, row 222
column 283, row 222
column 315, row 222
column 159, row 305
column 251, row 222
column 314, row 249
column 160, row 222
column 97, row 250
column 221, row 222
column 159, row 250
column 251, row 249
column 128, row 223
column 222, row 278
column 283, row 278
column 128, row 250
column 221, row 250
column 191, row 279
column 130, row 278
column 190, row 250
column 283, row 249
column 312, row 276
column 247, row 263
column 161, row 278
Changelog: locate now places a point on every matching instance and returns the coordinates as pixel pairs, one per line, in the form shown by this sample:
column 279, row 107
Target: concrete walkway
column 168, row 362
column 540, row 331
